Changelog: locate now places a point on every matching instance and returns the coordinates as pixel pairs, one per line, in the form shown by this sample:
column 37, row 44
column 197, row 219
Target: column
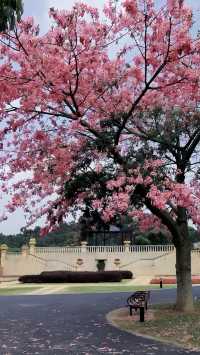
column 4, row 250
column 127, row 245
column 83, row 247
column 32, row 243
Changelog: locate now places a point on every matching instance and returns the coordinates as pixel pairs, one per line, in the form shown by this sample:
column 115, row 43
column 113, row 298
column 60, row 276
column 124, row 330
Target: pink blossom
column 78, row 100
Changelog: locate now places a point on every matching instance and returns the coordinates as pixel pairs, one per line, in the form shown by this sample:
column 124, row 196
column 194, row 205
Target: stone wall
column 151, row 260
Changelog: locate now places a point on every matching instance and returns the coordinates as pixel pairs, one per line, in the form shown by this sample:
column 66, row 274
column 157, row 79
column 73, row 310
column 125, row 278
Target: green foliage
column 194, row 235
column 10, row 12
column 14, row 241
column 159, row 237
column 87, row 181
column 141, row 240
column 67, row 234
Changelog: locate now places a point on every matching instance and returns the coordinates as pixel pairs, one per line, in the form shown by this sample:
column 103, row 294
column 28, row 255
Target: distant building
column 95, row 232
column 110, row 237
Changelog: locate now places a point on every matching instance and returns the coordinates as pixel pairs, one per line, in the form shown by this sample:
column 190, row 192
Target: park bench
column 138, row 300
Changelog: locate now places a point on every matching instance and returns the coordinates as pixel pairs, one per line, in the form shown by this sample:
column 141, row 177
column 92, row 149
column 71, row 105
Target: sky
column 39, row 10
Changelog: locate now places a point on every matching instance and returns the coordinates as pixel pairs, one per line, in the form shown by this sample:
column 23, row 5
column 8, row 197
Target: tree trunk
column 184, row 301
column 180, row 236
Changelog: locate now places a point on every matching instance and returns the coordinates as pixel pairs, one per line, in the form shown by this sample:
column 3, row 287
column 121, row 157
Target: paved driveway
column 73, row 324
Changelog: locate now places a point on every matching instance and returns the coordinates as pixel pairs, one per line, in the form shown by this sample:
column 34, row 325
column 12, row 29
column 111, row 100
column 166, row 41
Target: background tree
column 66, row 234
column 69, row 234
column 119, row 128
column 153, row 237
column 10, row 12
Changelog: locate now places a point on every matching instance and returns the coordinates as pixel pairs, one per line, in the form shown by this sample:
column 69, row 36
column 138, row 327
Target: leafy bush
column 72, row 277
column 142, row 240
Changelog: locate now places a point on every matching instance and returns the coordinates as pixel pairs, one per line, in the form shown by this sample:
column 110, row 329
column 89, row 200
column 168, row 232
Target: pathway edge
column 112, row 322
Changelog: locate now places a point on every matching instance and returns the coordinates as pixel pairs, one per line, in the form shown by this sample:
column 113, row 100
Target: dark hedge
column 126, row 274
column 30, row 279
column 72, row 277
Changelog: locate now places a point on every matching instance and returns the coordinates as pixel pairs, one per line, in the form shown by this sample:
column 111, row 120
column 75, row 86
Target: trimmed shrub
column 72, row 277
column 126, row 274
column 55, row 276
column 100, row 276
column 30, row 279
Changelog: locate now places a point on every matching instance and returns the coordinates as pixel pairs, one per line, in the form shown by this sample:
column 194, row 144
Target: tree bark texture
column 183, row 244
column 184, row 300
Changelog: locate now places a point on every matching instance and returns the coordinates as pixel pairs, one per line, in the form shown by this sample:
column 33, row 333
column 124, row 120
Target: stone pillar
column 32, row 243
column 127, row 245
column 83, row 247
column 4, row 249
column 24, row 250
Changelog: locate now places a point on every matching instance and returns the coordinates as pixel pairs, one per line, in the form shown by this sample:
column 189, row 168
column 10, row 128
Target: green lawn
column 11, row 291
column 123, row 286
column 109, row 288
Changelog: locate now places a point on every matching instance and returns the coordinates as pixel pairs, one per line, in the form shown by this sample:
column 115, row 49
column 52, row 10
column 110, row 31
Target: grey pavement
column 74, row 324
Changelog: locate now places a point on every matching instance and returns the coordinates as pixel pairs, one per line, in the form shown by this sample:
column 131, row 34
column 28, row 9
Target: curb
column 148, row 337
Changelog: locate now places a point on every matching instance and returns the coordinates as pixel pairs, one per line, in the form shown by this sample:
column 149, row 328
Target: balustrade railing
column 106, row 249
column 196, row 251
column 151, row 248
column 57, row 250
column 102, row 249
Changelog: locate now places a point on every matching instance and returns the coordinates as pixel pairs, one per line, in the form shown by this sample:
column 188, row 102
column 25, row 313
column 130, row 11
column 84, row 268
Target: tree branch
column 146, row 88
column 163, row 215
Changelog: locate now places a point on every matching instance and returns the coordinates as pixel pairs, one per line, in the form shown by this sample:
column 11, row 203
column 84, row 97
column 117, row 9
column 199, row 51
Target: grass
column 163, row 323
column 11, row 291
column 124, row 286
column 88, row 288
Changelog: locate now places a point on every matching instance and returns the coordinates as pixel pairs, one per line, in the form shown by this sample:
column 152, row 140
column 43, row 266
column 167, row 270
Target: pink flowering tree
column 104, row 112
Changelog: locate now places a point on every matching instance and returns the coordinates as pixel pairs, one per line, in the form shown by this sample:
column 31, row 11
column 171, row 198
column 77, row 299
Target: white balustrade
column 196, row 251
column 106, row 249
column 57, row 250
column 151, row 248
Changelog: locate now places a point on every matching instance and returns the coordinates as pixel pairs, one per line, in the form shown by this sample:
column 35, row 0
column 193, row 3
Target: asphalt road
column 73, row 324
